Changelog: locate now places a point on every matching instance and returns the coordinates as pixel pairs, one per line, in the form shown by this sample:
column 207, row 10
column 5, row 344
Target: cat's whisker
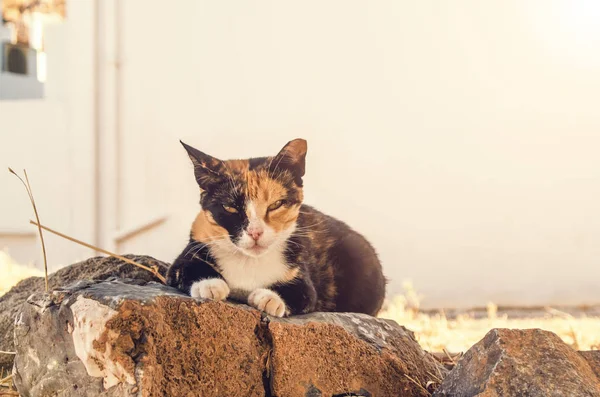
column 308, row 232
column 312, row 225
column 192, row 247
column 194, row 255
column 301, row 230
column 230, row 248
column 295, row 243
column 196, row 247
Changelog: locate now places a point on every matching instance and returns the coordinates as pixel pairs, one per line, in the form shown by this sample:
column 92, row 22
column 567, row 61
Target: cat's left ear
column 207, row 169
column 293, row 158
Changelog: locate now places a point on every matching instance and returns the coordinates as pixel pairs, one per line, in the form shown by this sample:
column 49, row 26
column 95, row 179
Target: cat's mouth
column 255, row 250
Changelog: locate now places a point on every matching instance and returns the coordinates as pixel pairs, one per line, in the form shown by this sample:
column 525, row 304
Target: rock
column 528, row 362
column 117, row 339
column 330, row 354
column 124, row 338
column 593, row 359
column 99, row 268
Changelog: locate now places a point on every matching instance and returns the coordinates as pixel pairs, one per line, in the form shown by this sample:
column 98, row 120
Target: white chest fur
column 249, row 273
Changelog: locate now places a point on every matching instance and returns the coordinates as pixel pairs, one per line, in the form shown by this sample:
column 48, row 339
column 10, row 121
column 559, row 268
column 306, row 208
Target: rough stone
column 530, row 362
column 98, row 268
column 330, row 354
column 117, row 339
column 593, row 359
column 123, row 338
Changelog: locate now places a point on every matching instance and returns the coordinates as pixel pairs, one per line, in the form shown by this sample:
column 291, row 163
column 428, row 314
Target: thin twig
column 437, row 365
column 37, row 217
column 435, row 377
column 4, row 380
column 449, row 356
column 152, row 270
column 418, row 384
column 3, row 352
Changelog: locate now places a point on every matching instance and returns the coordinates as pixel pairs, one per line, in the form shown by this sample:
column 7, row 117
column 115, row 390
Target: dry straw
column 153, row 269
column 37, row 217
column 6, row 385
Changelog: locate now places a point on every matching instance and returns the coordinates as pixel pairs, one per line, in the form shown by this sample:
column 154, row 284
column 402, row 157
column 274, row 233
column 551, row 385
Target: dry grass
column 27, row 186
column 437, row 333
column 154, row 269
column 6, row 385
column 37, row 223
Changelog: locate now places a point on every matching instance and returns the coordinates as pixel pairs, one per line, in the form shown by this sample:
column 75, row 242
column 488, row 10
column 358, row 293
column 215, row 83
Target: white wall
column 461, row 138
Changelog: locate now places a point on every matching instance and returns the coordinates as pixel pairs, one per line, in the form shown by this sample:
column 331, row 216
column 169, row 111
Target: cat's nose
column 255, row 233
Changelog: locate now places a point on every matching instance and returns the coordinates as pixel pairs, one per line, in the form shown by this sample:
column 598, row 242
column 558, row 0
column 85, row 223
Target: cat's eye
column 276, row 205
column 229, row 209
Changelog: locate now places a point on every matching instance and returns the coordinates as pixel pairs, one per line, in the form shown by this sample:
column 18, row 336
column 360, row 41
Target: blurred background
column 462, row 138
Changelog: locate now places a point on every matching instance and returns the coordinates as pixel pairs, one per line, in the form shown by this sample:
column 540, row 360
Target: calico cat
column 255, row 241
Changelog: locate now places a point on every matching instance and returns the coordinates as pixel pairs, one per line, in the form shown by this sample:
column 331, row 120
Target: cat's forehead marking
column 261, row 191
column 262, row 188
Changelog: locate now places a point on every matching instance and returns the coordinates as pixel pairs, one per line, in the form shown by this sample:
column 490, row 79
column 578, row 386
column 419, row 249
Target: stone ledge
column 125, row 337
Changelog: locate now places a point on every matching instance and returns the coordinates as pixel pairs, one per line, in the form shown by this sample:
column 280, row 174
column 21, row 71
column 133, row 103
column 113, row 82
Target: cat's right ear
column 207, row 169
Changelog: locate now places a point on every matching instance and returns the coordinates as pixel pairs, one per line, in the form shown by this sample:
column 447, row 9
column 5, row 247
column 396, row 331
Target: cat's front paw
column 211, row 288
column 267, row 301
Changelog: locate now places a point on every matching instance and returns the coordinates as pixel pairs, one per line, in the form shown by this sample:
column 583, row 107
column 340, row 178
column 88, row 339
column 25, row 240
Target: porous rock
column 529, row 362
column 123, row 338
column 339, row 354
column 97, row 268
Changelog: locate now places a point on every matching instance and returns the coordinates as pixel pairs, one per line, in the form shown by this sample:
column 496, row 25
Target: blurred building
column 22, row 60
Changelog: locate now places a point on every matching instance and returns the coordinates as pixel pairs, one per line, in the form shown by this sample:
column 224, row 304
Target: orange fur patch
column 290, row 275
column 205, row 229
column 282, row 218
